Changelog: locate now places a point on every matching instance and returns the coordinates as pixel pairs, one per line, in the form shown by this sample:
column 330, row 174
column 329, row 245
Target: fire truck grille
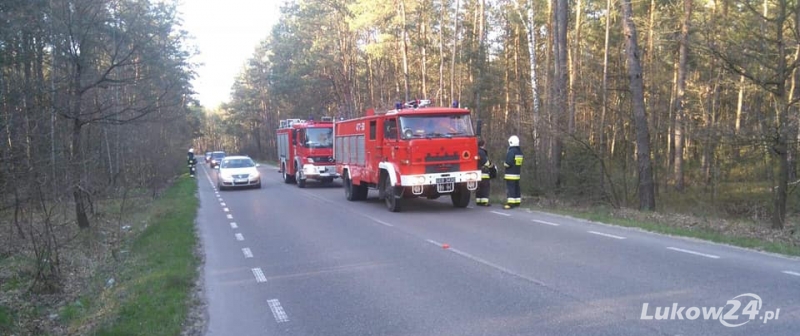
column 441, row 168
column 442, row 157
column 322, row 159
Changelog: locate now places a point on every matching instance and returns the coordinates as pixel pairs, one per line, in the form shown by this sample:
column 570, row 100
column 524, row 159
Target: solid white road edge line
column 500, row 213
column 247, row 253
column 495, row 266
column 277, row 311
column 605, row 235
column 239, row 237
column 259, row 275
column 792, row 273
column 693, row 252
column 233, row 225
column 544, row 222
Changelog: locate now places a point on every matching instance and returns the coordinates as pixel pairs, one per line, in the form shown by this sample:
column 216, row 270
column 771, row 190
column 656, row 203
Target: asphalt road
column 287, row 261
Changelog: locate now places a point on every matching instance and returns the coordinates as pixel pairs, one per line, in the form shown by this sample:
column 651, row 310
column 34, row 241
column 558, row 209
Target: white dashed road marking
column 277, row 311
column 233, row 225
column 605, row 235
column 434, row 242
column 225, row 209
column 500, row 213
column 259, row 275
column 247, row 253
column 792, row 273
column 239, row 237
column 222, row 204
column 378, row 220
column 230, row 216
column 545, row 222
column 495, row 266
column 693, row 252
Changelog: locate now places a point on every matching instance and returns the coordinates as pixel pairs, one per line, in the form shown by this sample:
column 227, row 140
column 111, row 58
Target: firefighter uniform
column 482, row 194
column 513, row 165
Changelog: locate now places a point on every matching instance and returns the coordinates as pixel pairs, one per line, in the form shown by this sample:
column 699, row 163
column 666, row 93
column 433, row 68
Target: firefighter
column 191, row 161
column 482, row 194
column 513, row 165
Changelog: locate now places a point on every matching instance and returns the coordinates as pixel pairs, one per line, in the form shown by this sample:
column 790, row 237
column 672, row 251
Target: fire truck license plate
column 442, row 180
column 444, row 187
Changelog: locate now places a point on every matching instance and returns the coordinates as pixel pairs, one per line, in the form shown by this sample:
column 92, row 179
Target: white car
column 238, row 171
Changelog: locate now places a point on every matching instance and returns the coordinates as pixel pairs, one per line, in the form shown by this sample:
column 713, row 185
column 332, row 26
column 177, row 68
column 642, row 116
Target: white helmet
column 191, row 150
column 513, row 141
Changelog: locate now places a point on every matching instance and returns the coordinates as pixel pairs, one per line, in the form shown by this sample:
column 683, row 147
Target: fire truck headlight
column 418, row 180
column 310, row 160
column 471, row 176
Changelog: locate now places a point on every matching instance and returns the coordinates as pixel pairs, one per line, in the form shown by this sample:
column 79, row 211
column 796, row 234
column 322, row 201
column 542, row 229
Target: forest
column 677, row 106
column 96, row 117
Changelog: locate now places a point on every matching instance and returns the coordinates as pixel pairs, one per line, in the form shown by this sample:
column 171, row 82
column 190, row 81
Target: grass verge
column 673, row 226
column 154, row 284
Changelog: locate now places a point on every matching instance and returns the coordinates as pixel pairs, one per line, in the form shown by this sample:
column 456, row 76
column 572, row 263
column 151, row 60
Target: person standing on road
column 191, row 160
column 484, row 186
column 513, row 165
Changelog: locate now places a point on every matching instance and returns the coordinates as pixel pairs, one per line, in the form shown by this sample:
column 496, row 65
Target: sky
column 226, row 34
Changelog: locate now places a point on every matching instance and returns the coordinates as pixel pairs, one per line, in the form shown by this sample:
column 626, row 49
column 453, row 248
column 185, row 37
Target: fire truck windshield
column 318, row 137
column 436, row 126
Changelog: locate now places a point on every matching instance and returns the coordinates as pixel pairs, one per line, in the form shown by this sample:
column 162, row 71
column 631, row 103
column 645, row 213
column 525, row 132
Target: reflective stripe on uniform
column 511, row 177
column 485, row 176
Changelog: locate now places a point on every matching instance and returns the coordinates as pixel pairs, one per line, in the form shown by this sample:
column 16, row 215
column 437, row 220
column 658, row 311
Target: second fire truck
column 410, row 151
column 305, row 151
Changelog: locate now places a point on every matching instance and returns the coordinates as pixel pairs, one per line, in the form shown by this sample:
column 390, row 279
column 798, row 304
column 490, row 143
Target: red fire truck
column 411, row 151
column 305, row 151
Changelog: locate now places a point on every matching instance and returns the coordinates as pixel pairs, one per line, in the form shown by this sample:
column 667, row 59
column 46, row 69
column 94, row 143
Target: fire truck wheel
column 348, row 188
column 461, row 197
column 286, row 177
column 392, row 202
column 301, row 182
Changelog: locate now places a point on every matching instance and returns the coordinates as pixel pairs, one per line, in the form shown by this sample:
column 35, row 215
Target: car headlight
column 226, row 176
column 418, row 180
column 254, row 174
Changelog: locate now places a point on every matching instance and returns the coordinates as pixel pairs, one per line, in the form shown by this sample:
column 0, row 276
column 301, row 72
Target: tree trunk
column 453, row 55
column 683, row 55
column 646, row 190
column 77, row 175
column 561, row 86
column 404, row 48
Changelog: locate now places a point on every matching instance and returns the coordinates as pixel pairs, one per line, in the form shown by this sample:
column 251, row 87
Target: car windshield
column 319, row 137
column 218, row 155
column 436, row 126
column 237, row 163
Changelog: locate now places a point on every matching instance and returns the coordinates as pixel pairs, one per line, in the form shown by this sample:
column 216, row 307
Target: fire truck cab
column 408, row 152
column 305, row 151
